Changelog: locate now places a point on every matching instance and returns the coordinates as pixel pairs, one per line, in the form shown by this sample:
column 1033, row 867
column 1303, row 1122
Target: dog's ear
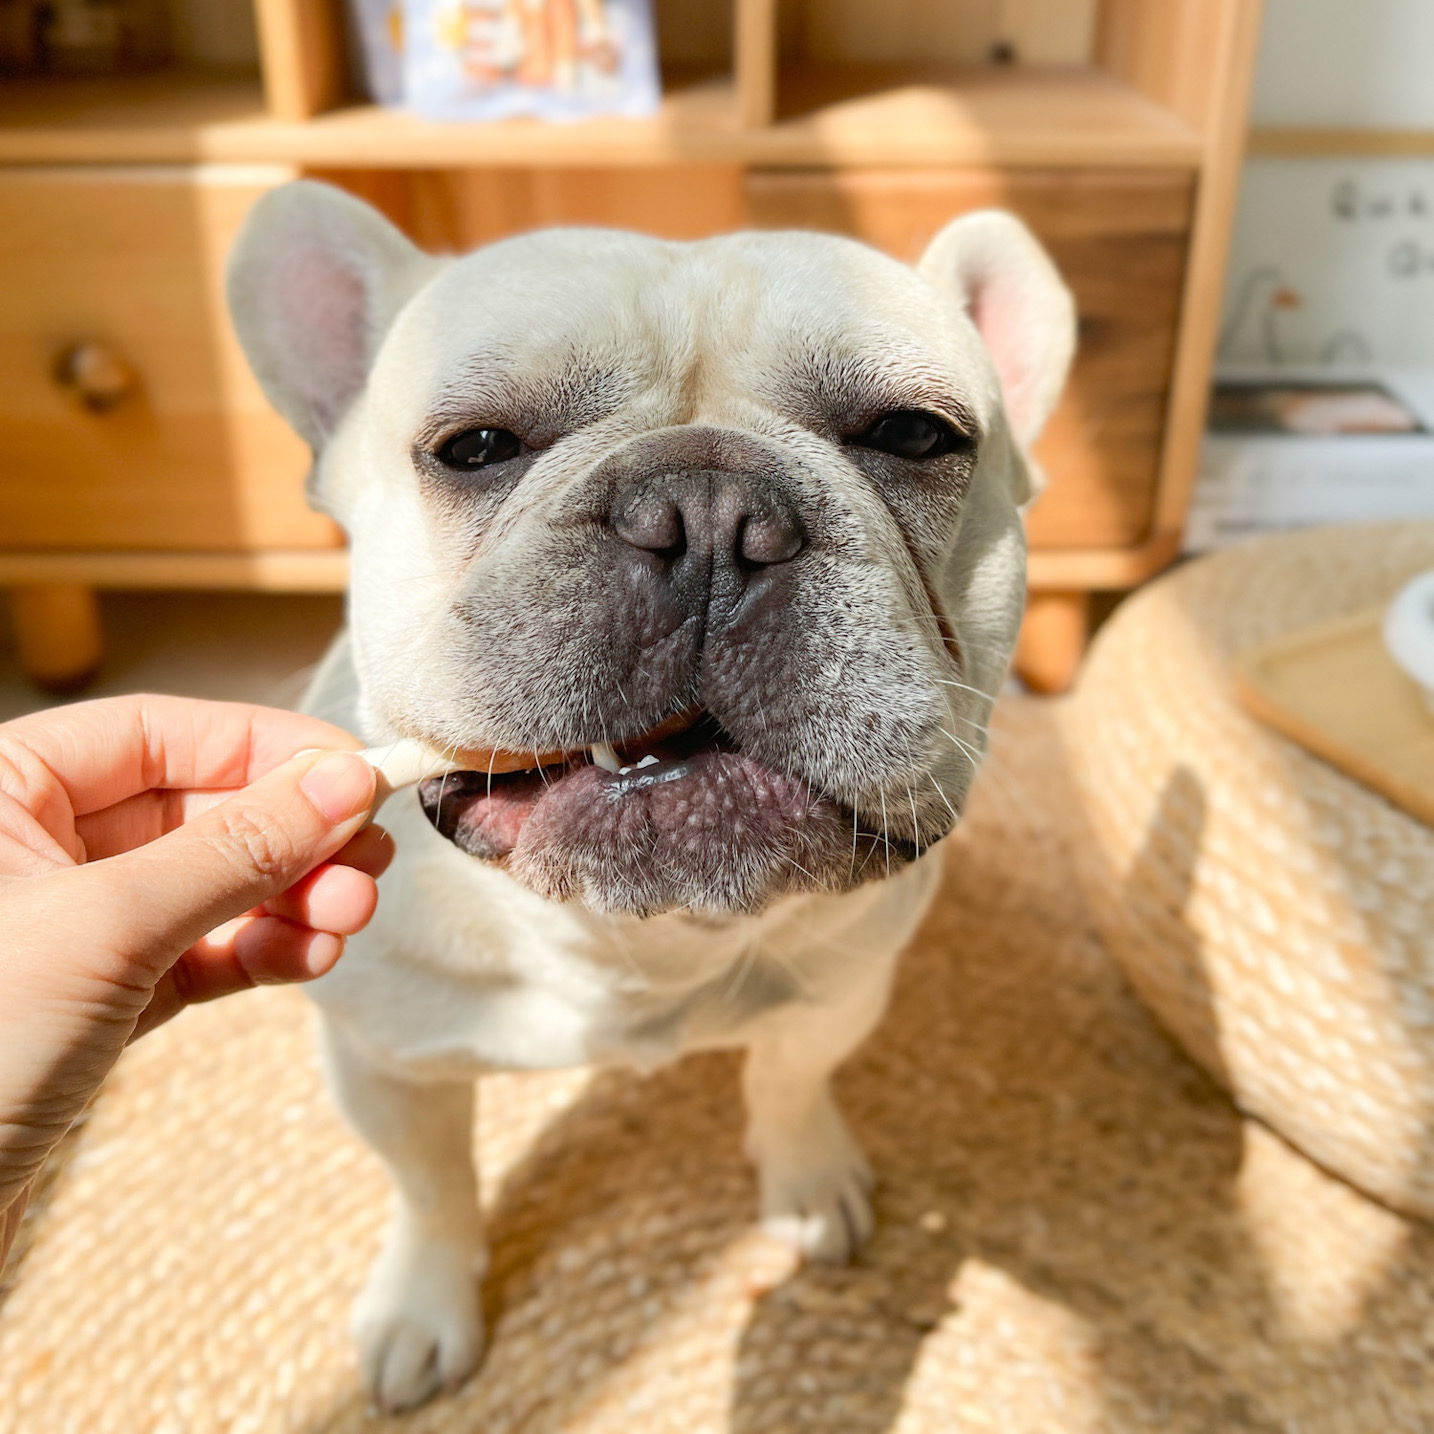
column 993, row 265
column 315, row 278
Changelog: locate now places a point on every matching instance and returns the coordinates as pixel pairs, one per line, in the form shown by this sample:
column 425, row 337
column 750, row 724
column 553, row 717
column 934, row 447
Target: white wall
column 1333, row 260
column 1346, row 63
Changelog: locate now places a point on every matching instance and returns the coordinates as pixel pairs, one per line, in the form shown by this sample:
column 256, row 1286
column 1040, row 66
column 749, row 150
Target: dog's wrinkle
column 470, row 502
column 945, row 628
column 838, row 392
column 653, row 656
column 690, row 389
column 538, row 399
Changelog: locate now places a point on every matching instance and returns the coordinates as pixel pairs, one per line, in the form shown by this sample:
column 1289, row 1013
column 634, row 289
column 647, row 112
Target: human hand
column 135, row 877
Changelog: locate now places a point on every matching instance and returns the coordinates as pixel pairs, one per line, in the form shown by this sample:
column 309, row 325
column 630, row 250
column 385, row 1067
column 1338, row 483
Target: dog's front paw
column 815, row 1186
column 417, row 1323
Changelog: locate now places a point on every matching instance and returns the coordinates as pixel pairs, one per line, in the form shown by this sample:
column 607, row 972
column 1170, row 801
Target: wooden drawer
column 453, row 210
column 192, row 458
column 1119, row 237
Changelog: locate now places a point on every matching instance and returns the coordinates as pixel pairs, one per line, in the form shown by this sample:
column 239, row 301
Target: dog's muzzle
column 681, row 629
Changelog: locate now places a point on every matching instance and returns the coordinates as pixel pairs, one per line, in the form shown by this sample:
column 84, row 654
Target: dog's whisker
column 975, row 726
column 976, row 759
column 746, row 963
column 990, row 770
column 936, row 786
column 630, row 961
column 794, row 973
column 792, row 861
column 966, row 687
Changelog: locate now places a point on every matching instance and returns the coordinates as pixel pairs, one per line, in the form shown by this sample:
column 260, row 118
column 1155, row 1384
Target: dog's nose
column 713, row 528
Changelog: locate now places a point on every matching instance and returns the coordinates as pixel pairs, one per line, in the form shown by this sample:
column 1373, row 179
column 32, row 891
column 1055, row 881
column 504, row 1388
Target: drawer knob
column 96, row 375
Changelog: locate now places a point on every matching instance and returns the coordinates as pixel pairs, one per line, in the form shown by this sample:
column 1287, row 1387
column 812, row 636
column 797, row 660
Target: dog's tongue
column 481, row 815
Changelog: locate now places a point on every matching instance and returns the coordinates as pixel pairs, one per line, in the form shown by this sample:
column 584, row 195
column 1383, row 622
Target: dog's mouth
column 485, row 812
column 678, row 816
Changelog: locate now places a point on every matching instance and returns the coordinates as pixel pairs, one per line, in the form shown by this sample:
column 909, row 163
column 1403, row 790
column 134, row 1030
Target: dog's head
column 736, row 517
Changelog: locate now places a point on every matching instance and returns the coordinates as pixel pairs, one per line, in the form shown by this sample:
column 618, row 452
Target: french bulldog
column 715, row 550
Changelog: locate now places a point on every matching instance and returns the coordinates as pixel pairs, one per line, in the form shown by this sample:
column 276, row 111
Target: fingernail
column 323, row 952
column 341, row 786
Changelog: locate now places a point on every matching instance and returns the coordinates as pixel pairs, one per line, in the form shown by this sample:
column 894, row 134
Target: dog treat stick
column 407, row 762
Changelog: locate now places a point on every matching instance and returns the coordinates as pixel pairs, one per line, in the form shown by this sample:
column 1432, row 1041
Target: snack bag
column 379, row 26
column 557, row 59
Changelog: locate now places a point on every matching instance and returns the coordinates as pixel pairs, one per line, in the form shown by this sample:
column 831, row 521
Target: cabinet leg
column 57, row 632
column 1053, row 640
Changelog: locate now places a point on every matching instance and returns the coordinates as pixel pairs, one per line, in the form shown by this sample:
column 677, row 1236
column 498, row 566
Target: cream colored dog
column 714, row 549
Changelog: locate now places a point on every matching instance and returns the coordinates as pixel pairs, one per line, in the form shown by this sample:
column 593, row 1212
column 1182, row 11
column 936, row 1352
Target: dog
column 716, row 549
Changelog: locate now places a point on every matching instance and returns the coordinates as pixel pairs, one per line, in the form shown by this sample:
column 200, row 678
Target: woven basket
column 1277, row 916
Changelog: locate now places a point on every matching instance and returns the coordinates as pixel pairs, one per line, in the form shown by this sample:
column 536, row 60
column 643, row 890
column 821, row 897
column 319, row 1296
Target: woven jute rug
column 1077, row 1232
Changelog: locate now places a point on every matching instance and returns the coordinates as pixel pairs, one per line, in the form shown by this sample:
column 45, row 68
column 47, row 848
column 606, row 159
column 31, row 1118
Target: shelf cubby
column 1115, row 126
column 829, row 117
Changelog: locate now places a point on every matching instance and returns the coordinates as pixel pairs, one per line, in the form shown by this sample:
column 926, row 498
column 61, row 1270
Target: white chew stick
column 405, row 763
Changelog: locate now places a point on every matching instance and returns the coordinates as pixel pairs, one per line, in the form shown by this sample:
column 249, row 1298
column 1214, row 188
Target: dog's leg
column 815, row 1183
column 417, row 1323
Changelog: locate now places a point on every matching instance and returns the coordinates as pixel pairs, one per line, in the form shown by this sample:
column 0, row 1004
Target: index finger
column 104, row 751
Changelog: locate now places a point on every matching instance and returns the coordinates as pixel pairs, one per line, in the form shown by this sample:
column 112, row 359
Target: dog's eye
column 913, row 435
column 478, row 447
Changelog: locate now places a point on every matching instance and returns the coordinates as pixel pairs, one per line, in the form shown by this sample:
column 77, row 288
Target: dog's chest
column 553, row 1010
column 461, row 970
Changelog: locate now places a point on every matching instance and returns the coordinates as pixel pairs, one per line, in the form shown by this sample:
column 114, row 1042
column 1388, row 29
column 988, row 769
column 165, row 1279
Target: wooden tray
column 1336, row 690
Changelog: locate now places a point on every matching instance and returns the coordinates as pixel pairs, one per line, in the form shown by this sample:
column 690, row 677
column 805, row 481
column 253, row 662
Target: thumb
column 162, row 897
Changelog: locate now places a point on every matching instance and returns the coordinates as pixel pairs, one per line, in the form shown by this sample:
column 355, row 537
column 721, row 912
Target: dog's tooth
column 603, row 756
column 647, row 761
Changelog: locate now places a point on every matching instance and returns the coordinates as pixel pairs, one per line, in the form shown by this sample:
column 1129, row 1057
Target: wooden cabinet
column 129, row 417
column 1113, row 126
